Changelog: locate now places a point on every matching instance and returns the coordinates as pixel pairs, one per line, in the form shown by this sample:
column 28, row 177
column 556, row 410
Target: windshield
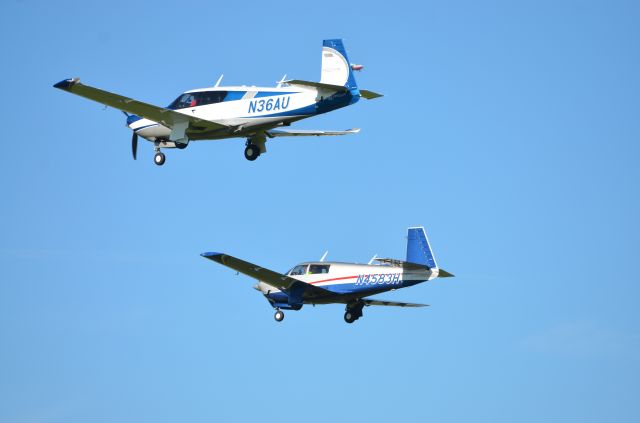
column 300, row 269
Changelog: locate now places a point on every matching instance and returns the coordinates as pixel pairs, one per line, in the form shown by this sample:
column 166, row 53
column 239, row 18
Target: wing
column 272, row 133
column 166, row 117
column 278, row 280
column 392, row 303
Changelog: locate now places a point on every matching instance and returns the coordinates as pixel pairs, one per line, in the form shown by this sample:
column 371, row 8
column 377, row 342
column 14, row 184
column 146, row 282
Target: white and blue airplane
column 254, row 113
column 352, row 284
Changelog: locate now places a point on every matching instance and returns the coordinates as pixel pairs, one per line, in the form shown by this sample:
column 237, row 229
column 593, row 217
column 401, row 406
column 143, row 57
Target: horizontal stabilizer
column 400, row 263
column 392, row 303
column 307, row 132
column 369, row 95
column 330, row 87
column 444, row 274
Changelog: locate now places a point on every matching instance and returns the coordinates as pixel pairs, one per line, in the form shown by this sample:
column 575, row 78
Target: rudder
column 336, row 69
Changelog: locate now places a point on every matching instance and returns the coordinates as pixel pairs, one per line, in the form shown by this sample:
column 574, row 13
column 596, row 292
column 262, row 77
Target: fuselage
column 245, row 109
column 347, row 281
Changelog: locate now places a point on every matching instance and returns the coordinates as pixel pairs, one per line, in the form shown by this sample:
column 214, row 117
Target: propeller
column 134, row 145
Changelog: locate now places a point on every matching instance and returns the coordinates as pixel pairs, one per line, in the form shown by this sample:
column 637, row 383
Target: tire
column 279, row 316
column 251, row 152
column 159, row 159
column 349, row 317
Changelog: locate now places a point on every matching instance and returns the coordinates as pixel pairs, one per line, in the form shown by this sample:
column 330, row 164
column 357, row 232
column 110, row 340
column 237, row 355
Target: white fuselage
column 245, row 109
column 347, row 278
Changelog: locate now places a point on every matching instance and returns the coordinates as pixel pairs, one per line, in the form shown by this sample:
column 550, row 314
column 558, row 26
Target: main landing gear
column 279, row 316
column 353, row 311
column 251, row 151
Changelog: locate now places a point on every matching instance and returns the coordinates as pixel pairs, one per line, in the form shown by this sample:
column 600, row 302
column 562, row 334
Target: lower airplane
column 342, row 283
column 250, row 112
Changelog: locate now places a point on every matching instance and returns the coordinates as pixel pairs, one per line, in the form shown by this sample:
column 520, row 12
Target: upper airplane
column 252, row 112
column 351, row 284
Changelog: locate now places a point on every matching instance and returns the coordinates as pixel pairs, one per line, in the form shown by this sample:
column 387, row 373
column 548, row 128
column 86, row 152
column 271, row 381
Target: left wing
column 167, row 117
column 278, row 280
column 272, row 133
column 392, row 303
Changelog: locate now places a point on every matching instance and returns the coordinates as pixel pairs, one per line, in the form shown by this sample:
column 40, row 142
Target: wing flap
column 272, row 133
column 158, row 114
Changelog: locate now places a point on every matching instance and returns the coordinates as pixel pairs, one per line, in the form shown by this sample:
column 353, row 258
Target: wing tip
column 211, row 254
column 66, row 84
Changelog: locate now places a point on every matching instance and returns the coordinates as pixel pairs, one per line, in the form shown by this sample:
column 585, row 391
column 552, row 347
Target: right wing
column 166, row 117
column 392, row 303
column 271, row 133
column 278, row 280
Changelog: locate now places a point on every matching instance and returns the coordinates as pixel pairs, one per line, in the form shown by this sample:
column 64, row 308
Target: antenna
column 324, row 256
column 219, row 81
column 282, row 81
column 375, row 256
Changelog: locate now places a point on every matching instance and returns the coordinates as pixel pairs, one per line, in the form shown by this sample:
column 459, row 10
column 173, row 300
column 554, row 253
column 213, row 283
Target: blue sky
column 508, row 129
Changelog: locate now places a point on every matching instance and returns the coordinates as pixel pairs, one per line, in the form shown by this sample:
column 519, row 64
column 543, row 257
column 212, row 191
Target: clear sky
column 510, row 130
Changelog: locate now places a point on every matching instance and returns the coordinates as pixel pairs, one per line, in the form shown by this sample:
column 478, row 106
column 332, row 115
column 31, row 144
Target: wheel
column 159, row 158
column 349, row 317
column 251, row 152
column 279, row 316
column 181, row 146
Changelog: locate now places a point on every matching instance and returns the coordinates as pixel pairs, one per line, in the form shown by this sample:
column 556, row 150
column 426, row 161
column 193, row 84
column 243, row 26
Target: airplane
column 254, row 113
column 323, row 282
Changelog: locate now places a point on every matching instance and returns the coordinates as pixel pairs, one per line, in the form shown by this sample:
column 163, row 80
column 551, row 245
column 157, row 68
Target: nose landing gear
column 279, row 316
column 159, row 158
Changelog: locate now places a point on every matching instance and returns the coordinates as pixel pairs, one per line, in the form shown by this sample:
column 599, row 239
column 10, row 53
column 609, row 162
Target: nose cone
column 132, row 118
column 257, row 287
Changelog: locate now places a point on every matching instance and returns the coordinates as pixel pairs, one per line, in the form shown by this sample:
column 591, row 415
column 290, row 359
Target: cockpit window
column 197, row 99
column 300, row 269
column 315, row 269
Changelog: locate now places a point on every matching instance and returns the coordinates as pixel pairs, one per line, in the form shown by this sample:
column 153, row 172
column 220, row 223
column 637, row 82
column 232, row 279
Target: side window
column 300, row 269
column 315, row 269
column 210, row 97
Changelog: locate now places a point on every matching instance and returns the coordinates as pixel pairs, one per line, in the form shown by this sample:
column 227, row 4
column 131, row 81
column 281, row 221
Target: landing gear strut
column 251, row 151
column 279, row 316
column 353, row 311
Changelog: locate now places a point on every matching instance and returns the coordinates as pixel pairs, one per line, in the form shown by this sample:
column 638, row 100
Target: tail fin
column 336, row 69
column 418, row 248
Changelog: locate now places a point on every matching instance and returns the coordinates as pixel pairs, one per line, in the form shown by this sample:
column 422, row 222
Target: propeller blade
column 134, row 145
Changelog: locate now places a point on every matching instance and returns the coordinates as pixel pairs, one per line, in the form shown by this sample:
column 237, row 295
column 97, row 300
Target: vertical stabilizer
column 336, row 69
column 418, row 248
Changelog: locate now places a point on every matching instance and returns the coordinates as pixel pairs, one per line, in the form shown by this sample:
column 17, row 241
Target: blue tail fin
column 418, row 248
column 336, row 69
